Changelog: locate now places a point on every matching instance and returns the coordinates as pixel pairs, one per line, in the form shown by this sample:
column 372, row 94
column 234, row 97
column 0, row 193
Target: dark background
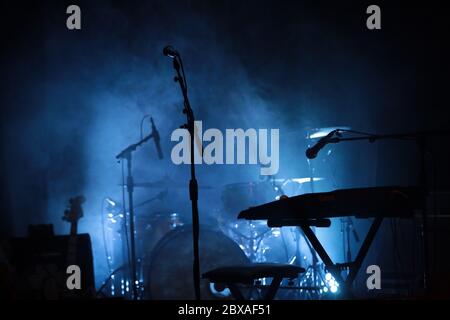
column 71, row 100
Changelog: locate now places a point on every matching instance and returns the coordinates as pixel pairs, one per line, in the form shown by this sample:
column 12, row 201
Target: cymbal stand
column 348, row 227
column 310, row 281
column 251, row 242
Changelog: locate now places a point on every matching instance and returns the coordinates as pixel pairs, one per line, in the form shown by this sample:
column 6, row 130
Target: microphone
column 155, row 135
column 170, row 52
column 312, row 152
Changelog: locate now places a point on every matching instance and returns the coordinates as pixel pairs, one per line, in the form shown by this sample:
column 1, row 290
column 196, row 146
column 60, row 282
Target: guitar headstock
column 74, row 210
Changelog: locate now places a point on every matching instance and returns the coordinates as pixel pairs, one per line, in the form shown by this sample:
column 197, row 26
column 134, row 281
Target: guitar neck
column 74, row 228
column 72, row 244
column 72, row 213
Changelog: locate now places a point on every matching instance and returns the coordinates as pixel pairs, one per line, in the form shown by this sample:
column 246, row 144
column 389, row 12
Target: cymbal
column 315, row 133
column 279, row 180
column 299, row 180
column 166, row 183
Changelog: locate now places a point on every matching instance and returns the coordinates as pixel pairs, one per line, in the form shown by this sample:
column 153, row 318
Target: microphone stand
column 315, row 261
column 421, row 140
column 193, row 185
column 126, row 154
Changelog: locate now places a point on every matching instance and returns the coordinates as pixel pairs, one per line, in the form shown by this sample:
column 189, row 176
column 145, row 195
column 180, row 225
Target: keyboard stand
column 334, row 268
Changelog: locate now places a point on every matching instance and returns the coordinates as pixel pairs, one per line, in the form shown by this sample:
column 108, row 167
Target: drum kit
column 164, row 242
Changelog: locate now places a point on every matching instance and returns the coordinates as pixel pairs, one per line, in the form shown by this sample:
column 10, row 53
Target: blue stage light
column 331, row 284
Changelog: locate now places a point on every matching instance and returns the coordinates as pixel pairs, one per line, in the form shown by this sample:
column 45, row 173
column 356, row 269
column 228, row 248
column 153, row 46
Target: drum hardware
column 259, row 242
column 251, row 244
column 250, row 234
column 120, row 284
column 254, row 238
column 294, row 186
column 307, row 285
column 252, row 193
column 115, row 209
column 348, row 227
column 116, row 216
column 259, row 247
column 150, row 228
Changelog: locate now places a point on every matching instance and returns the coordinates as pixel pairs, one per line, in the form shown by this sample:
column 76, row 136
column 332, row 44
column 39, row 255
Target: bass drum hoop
column 217, row 251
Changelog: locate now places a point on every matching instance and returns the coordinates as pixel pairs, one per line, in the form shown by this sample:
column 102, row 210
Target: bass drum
column 170, row 271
